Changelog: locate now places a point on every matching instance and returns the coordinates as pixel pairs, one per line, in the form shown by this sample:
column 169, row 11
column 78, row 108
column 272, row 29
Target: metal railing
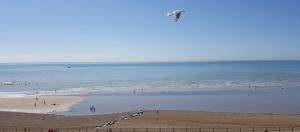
column 90, row 129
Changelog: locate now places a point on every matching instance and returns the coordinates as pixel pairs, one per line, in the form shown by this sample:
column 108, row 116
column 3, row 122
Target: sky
column 140, row 31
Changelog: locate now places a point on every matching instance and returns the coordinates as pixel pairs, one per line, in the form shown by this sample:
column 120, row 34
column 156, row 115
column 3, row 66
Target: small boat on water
column 8, row 83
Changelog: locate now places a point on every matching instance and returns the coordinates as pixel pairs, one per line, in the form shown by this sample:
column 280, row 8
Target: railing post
column 213, row 129
column 292, row 129
column 199, row 130
column 279, row 129
column 173, row 129
column 253, row 129
column 16, row 129
column 185, row 129
column 86, row 129
column 240, row 129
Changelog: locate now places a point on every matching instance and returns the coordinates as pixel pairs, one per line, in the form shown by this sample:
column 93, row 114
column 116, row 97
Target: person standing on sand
column 34, row 105
column 93, row 109
column 44, row 102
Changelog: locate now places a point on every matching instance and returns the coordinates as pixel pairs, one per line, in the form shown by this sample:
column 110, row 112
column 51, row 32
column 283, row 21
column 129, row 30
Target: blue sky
column 139, row 30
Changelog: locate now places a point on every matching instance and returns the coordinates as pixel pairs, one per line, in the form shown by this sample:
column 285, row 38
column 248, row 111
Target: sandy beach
column 38, row 104
column 151, row 119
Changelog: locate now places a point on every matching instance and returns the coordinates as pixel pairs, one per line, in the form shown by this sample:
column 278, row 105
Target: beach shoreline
column 39, row 104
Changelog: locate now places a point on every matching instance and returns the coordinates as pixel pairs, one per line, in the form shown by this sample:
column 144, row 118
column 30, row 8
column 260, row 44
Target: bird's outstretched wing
column 177, row 17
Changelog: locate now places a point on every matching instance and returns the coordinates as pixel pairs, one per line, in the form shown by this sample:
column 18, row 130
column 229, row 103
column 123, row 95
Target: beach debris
column 137, row 113
column 124, row 117
column 54, row 104
column 112, row 122
column 104, row 124
column 176, row 14
column 52, row 112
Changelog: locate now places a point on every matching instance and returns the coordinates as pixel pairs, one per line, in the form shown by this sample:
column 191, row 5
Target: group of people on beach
column 36, row 100
column 93, row 109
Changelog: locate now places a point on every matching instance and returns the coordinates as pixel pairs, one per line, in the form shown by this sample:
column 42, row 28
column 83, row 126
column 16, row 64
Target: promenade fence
column 89, row 129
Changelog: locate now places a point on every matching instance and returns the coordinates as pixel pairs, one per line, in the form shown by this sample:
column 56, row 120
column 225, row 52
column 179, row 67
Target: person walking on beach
column 93, row 109
column 36, row 98
column 34, row 105
column 44, row 102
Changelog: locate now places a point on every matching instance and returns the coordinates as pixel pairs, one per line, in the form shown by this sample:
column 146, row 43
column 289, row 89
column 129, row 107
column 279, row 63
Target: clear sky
column 139, row 30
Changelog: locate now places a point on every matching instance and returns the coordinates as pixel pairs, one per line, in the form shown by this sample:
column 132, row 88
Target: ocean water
column 236, row 86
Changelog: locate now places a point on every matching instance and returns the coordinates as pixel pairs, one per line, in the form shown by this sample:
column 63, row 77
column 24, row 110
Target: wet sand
column 30, row 104
column 150, row 119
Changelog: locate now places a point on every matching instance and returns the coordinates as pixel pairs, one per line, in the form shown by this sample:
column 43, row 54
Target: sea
column 215, row 86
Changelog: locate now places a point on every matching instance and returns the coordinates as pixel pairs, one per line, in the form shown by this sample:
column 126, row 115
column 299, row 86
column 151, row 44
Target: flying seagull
column 176, row 14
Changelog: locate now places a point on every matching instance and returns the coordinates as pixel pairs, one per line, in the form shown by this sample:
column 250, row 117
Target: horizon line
column 120, row 62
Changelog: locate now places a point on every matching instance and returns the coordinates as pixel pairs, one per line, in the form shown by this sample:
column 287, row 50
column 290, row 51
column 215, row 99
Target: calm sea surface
column 239, row 86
